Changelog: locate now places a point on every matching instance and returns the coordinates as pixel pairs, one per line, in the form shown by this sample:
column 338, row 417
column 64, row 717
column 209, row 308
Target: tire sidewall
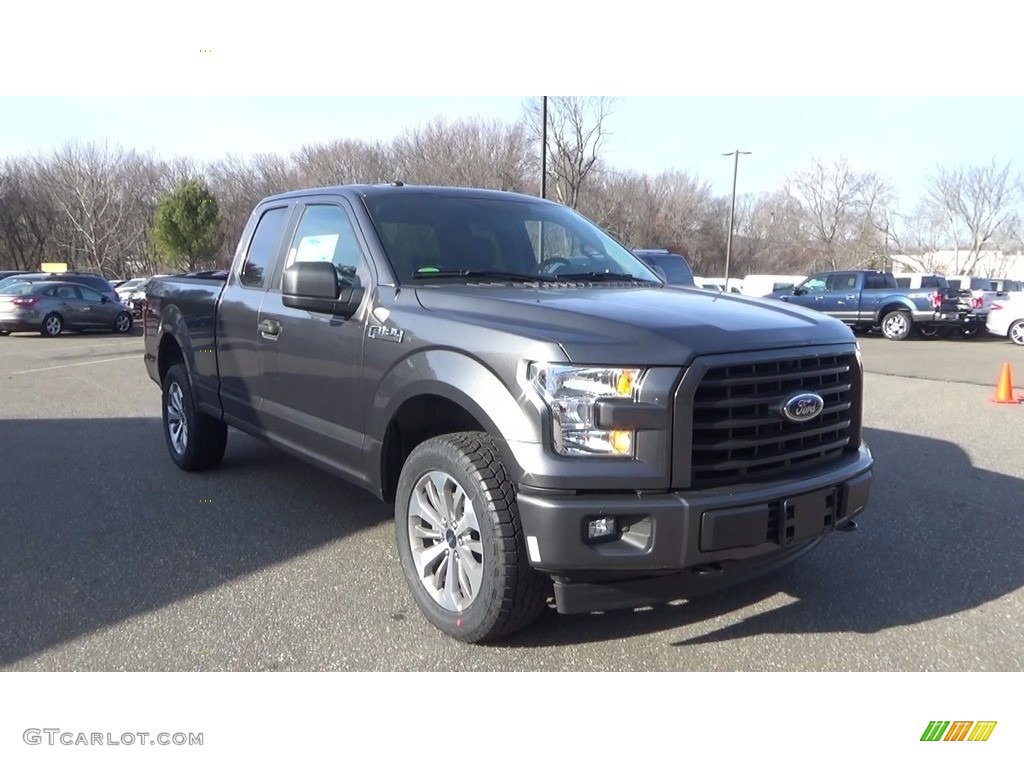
column 438, row 455
column 178, row 374
column 130, row 322
column 1009, row 332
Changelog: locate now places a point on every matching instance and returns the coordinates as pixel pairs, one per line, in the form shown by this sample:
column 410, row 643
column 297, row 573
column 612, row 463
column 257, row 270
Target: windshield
column 425, row 234
column 130, row 284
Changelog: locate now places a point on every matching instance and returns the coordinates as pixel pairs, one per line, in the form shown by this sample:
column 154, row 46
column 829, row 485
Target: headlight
column 571, row 393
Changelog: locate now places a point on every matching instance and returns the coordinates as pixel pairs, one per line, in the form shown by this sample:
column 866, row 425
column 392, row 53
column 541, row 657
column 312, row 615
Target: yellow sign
column 53, row 266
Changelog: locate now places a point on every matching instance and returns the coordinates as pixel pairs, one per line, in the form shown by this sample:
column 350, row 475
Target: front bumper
column 676, row 545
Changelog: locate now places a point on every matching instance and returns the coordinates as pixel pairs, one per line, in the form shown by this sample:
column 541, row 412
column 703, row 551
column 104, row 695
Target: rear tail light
column 25, row 301
column 936, row 300
column 977, row 303
column 995, row 306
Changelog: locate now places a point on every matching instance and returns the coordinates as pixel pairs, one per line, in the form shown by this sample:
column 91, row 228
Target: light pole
column 732, row 210
column 543, row 168
column 544, row 147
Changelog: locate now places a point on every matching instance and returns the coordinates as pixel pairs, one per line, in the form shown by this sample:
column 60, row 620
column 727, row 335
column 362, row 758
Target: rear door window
column 263, row 247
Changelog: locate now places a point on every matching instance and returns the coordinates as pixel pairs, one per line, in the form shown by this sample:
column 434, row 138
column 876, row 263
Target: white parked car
column 1006, row 318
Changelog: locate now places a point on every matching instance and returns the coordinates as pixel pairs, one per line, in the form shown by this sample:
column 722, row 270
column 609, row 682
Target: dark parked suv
column 672, row 266
column 94, row 281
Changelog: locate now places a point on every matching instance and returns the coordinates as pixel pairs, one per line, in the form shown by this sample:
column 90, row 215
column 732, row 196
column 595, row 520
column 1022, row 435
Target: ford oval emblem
column 803, row 406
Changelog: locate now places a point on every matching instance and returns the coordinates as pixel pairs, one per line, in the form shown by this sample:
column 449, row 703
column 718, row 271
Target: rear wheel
column 195, row 440
column 1016, row 333
column 5, row 333
column 460, row 541
column 123, row 324
column 53, row 325
column 897, row 325
column 930, row 331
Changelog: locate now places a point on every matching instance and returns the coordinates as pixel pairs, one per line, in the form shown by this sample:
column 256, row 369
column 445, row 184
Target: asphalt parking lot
column 112, row 559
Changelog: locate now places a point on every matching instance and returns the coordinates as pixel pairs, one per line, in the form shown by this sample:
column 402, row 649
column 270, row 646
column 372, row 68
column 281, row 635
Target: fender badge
column 387, row 334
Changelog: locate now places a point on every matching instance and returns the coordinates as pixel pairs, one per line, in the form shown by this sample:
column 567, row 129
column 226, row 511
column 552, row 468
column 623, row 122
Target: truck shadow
column 939, row 537
column 97, row 525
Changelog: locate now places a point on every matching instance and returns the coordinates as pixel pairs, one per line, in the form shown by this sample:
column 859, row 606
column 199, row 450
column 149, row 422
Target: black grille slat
column 736, row 402
column 738, row 434
column 778, row 459
column 763, row 441
column 744, row 380
column 760, row 421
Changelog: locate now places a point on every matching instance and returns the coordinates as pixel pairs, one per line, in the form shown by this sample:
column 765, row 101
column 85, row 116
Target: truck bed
column 186, row 307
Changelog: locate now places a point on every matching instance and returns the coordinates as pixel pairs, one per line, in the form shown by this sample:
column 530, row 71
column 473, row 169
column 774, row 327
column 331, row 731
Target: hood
column 645, row 326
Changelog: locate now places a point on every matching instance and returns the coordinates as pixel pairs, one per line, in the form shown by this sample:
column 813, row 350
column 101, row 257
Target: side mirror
column 316, row 287
column 798, row 291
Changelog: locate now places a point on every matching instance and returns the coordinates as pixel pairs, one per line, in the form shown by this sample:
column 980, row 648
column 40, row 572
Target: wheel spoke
column 427, row 558
column 471, row 573
column 451, row 597
column 467, row 523
column 426, row 509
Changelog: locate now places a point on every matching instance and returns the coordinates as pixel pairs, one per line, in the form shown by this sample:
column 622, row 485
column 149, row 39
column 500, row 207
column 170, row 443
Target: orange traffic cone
column 1004, row 388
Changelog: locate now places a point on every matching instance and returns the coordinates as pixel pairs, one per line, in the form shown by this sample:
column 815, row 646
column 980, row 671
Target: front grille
column 739, row 435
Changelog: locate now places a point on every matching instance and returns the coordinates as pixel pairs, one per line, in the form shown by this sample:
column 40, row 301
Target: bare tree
column 576, row 136
column 469, row 153
column 26, row 216
column 104, row 198
column 239, row 184
column 641, row 211
column 840, row 211
column 975, row 204
column 344, row 161
column 769, row 238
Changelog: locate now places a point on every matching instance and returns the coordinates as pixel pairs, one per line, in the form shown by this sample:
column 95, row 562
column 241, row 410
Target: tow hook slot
column 847, row 526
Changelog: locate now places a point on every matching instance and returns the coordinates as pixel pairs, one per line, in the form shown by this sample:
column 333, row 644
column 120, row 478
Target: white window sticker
column 317, row 248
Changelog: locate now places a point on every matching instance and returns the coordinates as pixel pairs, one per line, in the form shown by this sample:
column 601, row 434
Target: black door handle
column 270, row 327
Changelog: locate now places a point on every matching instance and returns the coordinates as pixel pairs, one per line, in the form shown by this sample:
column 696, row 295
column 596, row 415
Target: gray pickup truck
column 548, row 418
column 865, row 299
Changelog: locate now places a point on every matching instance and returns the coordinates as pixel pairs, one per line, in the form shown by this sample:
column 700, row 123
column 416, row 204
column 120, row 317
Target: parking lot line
column 72, row 365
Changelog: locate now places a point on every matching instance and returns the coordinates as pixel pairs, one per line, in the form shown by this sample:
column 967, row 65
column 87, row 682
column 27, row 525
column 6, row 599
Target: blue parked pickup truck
column 865, row 299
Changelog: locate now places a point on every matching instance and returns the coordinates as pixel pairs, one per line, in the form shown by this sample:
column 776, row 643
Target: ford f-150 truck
column 864, row 299
column 548, row 418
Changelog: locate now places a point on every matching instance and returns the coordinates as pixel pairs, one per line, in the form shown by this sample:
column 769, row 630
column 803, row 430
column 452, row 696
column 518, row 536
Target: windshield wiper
column 603, row 276
column 517, row 277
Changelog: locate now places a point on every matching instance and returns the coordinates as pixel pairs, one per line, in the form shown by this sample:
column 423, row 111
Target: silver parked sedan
column 51, row 307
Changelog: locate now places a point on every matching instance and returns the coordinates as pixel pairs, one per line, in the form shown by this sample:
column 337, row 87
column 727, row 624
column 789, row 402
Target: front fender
column 461, row 379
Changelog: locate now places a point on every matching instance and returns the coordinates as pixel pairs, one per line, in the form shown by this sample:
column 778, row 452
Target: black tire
column 510, row 595
column 205, row 438
column 929, row 331
column 1015, row 332
column 5, row 333
column 52, row 325
column 897, row 325
column 123, row 323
